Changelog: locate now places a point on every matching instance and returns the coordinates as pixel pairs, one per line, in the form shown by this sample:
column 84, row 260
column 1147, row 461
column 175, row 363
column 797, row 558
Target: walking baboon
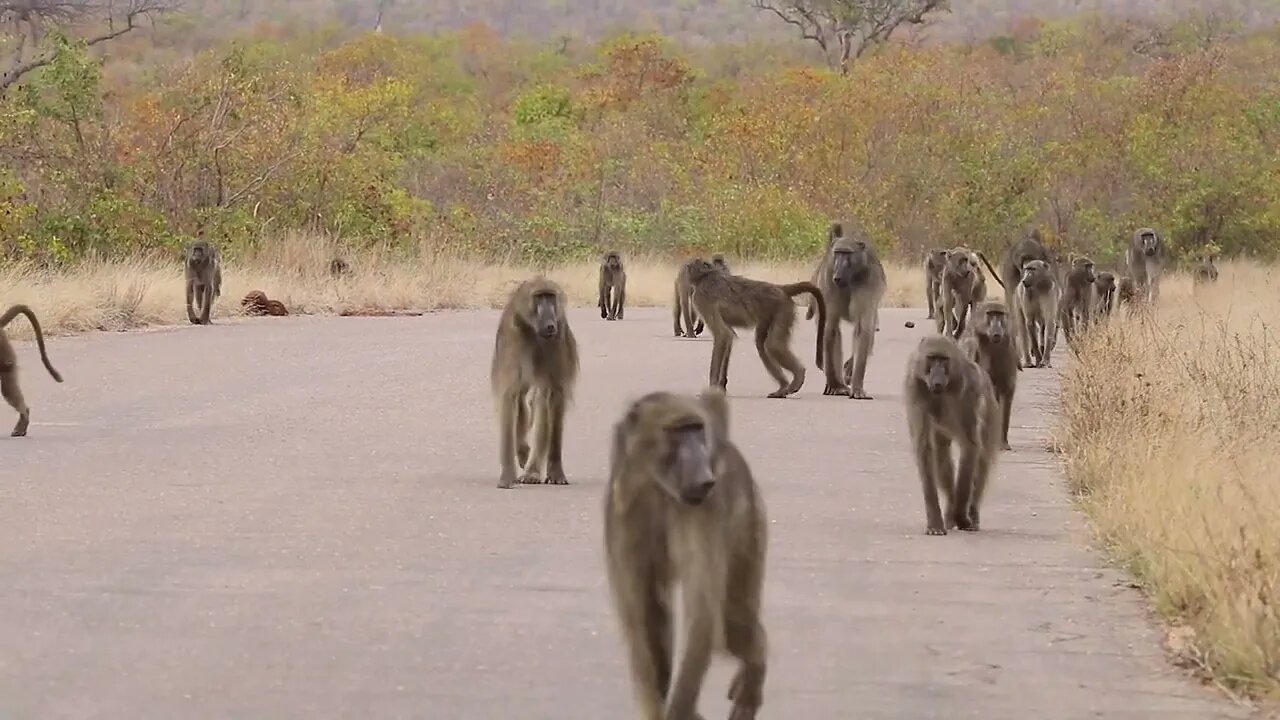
column 682, row 506
column 1126, row 290
column 613, row 286
column 1205, row 271
column 9, row 386
column 963, row 286
column 852, row 282
column 1029, row 247
column 535, row 366
column 682, row 307
column 1145, row 257
column 1036, row 314
column 204, row 279
column 1077, row 296
column 989, row 342
column 256, row 302
column 339, row 267
column 1104, row 294
column 731, row 301
column 950, row 400
column 934, row 260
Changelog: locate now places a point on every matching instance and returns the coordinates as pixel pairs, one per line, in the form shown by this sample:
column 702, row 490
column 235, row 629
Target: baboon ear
column 716, row 403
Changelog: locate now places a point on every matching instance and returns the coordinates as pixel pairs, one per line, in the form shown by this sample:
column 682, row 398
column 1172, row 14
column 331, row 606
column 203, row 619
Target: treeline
column 545, row 151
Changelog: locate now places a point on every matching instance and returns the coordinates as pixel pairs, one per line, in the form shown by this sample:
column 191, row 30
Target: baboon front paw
column 530, row 479
column 556, row 477
column 859, row 394
column 18, row 433
column 1007, row 446
column 935, row 530
column 835, row 389
column 779, row 393
column 507, row 481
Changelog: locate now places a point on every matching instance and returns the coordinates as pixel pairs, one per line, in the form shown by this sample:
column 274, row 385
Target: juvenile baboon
column 1029, row 247
column 682, row 506
column 963, row 286
column 1205, row 271
column 731, row 301
column 339, row 267
column 204, row 279
column 989, row 342
column 1145, row 257
column 613, row 286
column 682, row 306
column 9, row 387
column 852, row 282
column 256, row 302
column 1104, row 294
column 1126, row 291
column 1077, row 296
column 934, row 260
column 535, row 366
column 950, row 400
column 1036, row 314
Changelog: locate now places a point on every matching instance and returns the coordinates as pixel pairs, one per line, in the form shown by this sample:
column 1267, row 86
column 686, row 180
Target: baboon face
column 1105, row 282
column 937, row 259
column 960, row 263
column 546, row 313
column 681, row 449
column 1148, row 241
column 1035, row 272
column 612, row 260
column 851, row 262
column 199, row 255
column 997, row 324
column 937, row 372
column 1085, row 265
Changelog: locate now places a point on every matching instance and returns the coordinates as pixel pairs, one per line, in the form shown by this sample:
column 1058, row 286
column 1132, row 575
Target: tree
column 27, row 22
column 845, row 29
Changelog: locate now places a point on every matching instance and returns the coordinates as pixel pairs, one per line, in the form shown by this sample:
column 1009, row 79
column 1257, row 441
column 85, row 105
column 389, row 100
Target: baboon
column 339, row 267
column 9, row 367
column 951, row 400
column 934, row 260
column 731, row 301
column 613, row 286
column 852, row 282
column 1205, row 271
column 204, row 280
column 1126, row 290
column 989, row 342
column 682, row 506
column 535, row 366
column 682, row 307
column 1029, row 247
column 256, row 302
column 1036, row 314
column 1104, row 294
column 1145, row 257
column 963, row 286
column 1077, row 296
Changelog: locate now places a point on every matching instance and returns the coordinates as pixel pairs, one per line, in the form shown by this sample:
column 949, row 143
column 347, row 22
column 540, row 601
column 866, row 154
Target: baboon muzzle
column 693, row 469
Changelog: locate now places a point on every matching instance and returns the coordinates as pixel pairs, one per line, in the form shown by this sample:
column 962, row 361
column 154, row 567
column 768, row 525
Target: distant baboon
column 731, row 301
column 1145, row 257
column 613, row 286
column 963, row 286
column 339, row 267
column 256, row 302
column 1077, row 296
column 1104, row 294
column 933, row 263
column 1126, row 291
column 682, row 507
column 535, row 366
column 9, row 366
column 1205, row 271
column 204, row 280
column 852, row 281
column 1028, row 248
column 950, row 400
column 1036, row 314
column 989, row 342
column 682, row 306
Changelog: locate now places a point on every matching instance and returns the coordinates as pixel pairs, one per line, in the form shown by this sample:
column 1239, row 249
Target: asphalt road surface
column 298, row 518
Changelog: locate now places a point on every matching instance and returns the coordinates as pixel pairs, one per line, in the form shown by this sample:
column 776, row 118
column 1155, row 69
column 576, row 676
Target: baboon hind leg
column 191, row 313
column 524, row 422
column 964, row 493
column 945, row 474
column 554, row 415
column 537, row 465
column 620, row 298
column 770, row 364
column 700, row 632
column 207, row 304
column 646, row 619
column 864, row 343
column 13, row 395
column 1006, row 409
column 507, row 431
column 833, row 348
column 779, row 350
column 745, row 639
column 722, row 346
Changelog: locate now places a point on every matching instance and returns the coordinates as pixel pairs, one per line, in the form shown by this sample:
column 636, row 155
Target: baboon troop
column 1077, row 296
column 535, row 365
column 9, row 386
column 613, row 286
column 852, row 284
column 1145, row 258
column 1204, row 271
column 1036, row 314
column 934, row 260
column 727, row 301
column 682, row 306
column 963, row 286
column 256, row 302
column 204, row 280
column 989, row 343
column 950, row 400
column 682, row 507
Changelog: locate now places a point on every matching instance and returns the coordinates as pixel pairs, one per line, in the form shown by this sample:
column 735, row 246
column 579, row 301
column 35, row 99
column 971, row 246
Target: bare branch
column 848, row 28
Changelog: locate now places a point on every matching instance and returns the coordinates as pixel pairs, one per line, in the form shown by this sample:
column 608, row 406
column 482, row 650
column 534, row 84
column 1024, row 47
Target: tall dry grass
column 1170, row 429
column 134, row 292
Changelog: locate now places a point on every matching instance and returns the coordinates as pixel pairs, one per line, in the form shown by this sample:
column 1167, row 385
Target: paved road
column 297, row 518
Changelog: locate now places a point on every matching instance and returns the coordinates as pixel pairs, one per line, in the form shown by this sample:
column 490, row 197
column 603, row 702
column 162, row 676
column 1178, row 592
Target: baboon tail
column 994, row 274
column 20, row 309
column 795, row 289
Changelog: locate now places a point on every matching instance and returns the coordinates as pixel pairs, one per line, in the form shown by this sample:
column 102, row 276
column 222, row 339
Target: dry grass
column 1171, row 435
column 135, row 292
